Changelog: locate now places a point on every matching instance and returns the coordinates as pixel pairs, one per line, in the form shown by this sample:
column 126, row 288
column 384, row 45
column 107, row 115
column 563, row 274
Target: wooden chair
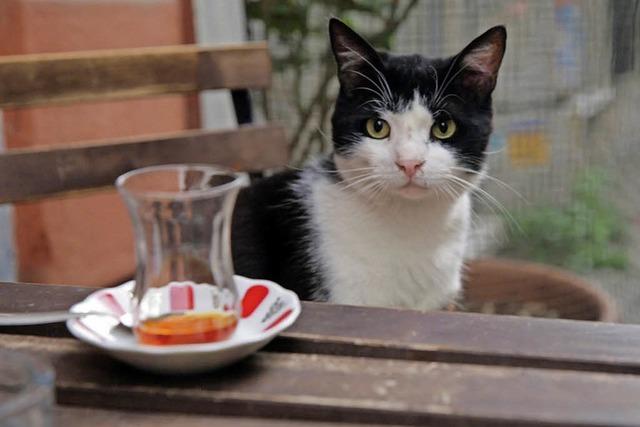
column 63, row 78
column 30, row 80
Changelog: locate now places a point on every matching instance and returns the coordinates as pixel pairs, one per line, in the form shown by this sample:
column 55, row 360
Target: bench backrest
column 60, row 78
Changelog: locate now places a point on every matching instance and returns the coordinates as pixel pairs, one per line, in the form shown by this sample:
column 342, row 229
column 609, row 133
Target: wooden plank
column 334, row 388
column 27, row 80
column 73, row 416
column 465, row 338
column 25, row 298
column 26, row 174
column 409, row 335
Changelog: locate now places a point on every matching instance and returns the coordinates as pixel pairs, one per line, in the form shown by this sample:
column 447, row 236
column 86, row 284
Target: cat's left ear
column 480, row 61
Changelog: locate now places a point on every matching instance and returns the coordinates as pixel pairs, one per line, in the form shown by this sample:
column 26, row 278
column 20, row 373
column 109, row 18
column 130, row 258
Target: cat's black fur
column 272, row 235
column 272, row 238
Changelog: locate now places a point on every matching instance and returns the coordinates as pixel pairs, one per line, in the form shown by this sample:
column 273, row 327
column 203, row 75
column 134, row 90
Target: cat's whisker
column 383, row 94
column 441, row 110
column 381, row 75
column 378, row 190
column 296, row 168
column 369, row 191
column 448, row 82
column 356, row 176
column 435, row 74
column 487, row 202
column 359, row 180
column 358, row 141
column 367, row 184
column 351, row 139
column 364, row 168
column 324, row 135
column 451, row 191
column 437, row 191
column 378, row 103
column 380, row 100
column 445, row 84
column 455, row 192
column 440, row 90
column 488, row 198
column 444, row 98
column 367, row 89
column 370, row 168
column 492, row 178
column 491, row 153
column 336, row 171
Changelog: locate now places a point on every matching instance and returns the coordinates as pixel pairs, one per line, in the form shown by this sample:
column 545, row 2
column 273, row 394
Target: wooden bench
column 59, row 78
column 371, row 366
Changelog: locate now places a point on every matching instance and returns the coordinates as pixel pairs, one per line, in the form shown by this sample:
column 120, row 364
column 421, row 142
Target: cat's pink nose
column 409, row 167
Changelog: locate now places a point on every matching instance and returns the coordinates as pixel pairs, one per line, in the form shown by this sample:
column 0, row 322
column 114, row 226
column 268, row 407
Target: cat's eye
column 443, row 129
column 377, row 128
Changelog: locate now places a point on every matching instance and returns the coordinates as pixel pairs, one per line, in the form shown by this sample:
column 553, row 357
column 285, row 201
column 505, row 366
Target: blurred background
column 564, row 155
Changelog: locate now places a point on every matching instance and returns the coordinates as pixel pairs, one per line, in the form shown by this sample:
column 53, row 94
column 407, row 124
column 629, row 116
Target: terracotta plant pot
column 501, row 286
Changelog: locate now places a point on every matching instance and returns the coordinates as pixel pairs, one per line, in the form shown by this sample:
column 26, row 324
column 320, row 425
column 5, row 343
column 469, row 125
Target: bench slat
column 125, row 73
column 73, row 416
column 409, row 335
column 29, row 174
column 334, row 388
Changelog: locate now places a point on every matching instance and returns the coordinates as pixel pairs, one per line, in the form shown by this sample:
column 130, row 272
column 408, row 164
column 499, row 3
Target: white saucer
column 267, row 310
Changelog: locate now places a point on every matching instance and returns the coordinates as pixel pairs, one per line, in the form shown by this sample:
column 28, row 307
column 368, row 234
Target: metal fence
column 567, row 127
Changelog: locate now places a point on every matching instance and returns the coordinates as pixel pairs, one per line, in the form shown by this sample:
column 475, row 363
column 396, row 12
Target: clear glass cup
column 184, row 291
column 26, row 390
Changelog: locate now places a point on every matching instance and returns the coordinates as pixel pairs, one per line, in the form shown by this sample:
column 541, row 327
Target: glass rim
column 36, row 389
column 239, row 179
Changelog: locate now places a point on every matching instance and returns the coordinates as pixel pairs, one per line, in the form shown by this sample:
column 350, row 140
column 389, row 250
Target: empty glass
column 184, row 291
column 26, row 390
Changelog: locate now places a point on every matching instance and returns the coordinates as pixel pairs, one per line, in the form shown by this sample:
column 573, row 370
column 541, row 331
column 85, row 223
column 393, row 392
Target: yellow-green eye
column 443, row 129
column 377, row 128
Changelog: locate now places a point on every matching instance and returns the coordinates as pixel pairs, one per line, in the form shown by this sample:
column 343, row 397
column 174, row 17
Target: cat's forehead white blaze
column 410, row 129
column 414, row 115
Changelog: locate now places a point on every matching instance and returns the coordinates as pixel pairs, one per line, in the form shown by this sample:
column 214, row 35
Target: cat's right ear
column 481, row 59
column 358, row 63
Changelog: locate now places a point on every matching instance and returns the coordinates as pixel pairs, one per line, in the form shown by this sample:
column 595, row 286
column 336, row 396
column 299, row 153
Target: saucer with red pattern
column 266, row 310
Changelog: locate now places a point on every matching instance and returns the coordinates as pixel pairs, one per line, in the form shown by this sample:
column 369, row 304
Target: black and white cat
column 384, row 219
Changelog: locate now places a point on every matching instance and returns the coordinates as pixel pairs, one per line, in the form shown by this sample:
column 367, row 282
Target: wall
column 86, row 239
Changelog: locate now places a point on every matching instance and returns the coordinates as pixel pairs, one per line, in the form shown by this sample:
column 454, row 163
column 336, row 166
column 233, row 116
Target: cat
column 384, row 219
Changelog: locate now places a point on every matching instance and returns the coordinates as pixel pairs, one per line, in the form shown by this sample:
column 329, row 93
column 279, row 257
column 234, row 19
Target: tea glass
column 184, row 288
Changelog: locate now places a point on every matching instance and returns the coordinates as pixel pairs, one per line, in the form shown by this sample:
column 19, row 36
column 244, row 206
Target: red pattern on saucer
column 111, row 303
column 253, row 298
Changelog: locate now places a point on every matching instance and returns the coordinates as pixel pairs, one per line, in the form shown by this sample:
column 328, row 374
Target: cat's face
column 410, row 126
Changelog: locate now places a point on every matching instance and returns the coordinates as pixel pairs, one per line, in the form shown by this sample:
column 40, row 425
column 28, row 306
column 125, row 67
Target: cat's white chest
column 398, row 256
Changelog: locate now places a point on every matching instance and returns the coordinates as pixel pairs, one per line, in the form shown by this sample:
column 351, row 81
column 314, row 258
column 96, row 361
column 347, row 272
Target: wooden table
column 342, row 365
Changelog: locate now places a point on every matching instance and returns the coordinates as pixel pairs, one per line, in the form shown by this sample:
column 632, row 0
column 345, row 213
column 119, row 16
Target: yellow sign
column 528, row 148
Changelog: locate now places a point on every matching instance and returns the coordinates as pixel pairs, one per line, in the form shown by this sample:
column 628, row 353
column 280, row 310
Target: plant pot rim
column 607, row 311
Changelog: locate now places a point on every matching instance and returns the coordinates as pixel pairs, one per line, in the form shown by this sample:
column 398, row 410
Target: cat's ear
column 479, row 62
column 358, row 62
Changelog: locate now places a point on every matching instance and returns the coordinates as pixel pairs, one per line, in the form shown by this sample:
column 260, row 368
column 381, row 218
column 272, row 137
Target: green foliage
column 291, row 23
column 586, row 234
column 299, row 46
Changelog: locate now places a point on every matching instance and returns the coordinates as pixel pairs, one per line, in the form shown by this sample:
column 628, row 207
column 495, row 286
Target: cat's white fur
column 391, row 243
